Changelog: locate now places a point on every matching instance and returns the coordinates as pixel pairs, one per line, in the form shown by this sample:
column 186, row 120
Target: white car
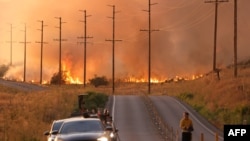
column 55, row 126
column 85, row 129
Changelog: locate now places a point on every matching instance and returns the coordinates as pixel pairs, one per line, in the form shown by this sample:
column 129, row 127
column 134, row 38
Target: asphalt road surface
column 171, row 111
column 135, row 124
column 132, row 120
column 21, row 85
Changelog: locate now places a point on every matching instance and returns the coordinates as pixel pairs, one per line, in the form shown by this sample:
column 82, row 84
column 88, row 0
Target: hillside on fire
column 221, row 101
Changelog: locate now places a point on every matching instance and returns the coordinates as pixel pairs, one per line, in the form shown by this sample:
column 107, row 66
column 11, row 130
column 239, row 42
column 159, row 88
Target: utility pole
column 235, row 38
column 60, row 49
column 149, row 30
column 41, row 60
column 113, row 48
column 215, row 29
column 25, row 43
column 11, row 44
column 85, row 46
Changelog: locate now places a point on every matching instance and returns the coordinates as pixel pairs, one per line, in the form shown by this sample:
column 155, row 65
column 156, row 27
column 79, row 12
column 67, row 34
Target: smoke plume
column 181, row 40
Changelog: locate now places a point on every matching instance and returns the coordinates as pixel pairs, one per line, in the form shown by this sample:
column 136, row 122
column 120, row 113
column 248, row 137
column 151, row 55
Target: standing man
column 187, row 127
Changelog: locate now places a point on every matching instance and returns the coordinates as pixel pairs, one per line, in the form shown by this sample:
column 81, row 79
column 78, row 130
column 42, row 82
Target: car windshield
column 81, row 127
column 57, row 125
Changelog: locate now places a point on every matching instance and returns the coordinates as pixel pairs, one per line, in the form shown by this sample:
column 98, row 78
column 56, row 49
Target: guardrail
column 167, row 132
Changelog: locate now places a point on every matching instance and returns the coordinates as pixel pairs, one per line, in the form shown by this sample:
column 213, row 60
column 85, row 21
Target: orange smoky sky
column 182, row 46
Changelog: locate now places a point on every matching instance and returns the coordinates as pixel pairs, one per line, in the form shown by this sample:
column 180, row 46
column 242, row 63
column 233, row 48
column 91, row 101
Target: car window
column 57, row 125
column 82, row 126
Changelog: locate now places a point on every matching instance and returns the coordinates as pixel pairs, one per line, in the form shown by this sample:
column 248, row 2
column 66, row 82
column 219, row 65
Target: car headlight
column 102, row 139
column 58, row 139
column 112, row 134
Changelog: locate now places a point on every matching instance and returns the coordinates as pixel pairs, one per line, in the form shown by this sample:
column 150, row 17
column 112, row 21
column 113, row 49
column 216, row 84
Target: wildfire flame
column 75, row 80
column 142, row 80
column 156, row 80
column 69, row 79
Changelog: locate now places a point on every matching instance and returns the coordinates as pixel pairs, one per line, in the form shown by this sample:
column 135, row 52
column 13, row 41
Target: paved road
column 133, row 121
column 171, row 110
column 22, row 85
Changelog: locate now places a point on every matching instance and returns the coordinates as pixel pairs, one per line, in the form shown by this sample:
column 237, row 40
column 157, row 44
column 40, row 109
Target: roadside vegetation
column 225, row 101
column 3, row 70
column 24, row 116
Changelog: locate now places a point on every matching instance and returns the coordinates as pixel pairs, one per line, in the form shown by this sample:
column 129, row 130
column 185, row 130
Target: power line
column 85, row 37
column 113, row 49
column 149, row 30
column 60, row 48
column 180, row 25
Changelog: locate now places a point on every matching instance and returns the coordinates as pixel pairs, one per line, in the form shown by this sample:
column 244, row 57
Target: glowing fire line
column 68, row 78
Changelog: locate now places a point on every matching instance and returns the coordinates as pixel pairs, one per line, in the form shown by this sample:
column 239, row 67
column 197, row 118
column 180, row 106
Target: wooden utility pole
column 215, row 30
column 60, row 49
column 25, row 43
column 149, row 30
column 11, row 44
column 85, row 46
column 235, row 39
column 113, row 49
column 41, row 60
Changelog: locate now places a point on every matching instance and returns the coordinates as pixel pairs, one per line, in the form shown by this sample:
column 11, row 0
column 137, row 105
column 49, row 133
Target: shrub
column 186, row 96
column 56, row 78
column 95, row 100
column 98, row 81
column 3, row 70
column 198, row 108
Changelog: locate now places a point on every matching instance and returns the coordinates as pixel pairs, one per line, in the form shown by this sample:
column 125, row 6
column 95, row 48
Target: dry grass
column 24, row 116
column 224, row 101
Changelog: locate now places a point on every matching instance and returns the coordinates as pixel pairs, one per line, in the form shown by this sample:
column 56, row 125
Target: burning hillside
column 182, row 47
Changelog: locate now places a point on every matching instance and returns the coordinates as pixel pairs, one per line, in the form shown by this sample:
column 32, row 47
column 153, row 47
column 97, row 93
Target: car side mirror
column 54, row 132
column 46, row 133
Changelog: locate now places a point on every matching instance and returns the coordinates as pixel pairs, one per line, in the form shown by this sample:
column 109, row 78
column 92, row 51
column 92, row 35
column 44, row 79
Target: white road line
column 196, row 118
column 113, row 108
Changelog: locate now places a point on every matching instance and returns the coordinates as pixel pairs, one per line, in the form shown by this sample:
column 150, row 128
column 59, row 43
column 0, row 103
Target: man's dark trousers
column 186, row 136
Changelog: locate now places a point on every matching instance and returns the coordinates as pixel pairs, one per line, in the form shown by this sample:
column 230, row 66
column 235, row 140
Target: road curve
column 22, row 85
column 132, row 119
column 171, row 111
